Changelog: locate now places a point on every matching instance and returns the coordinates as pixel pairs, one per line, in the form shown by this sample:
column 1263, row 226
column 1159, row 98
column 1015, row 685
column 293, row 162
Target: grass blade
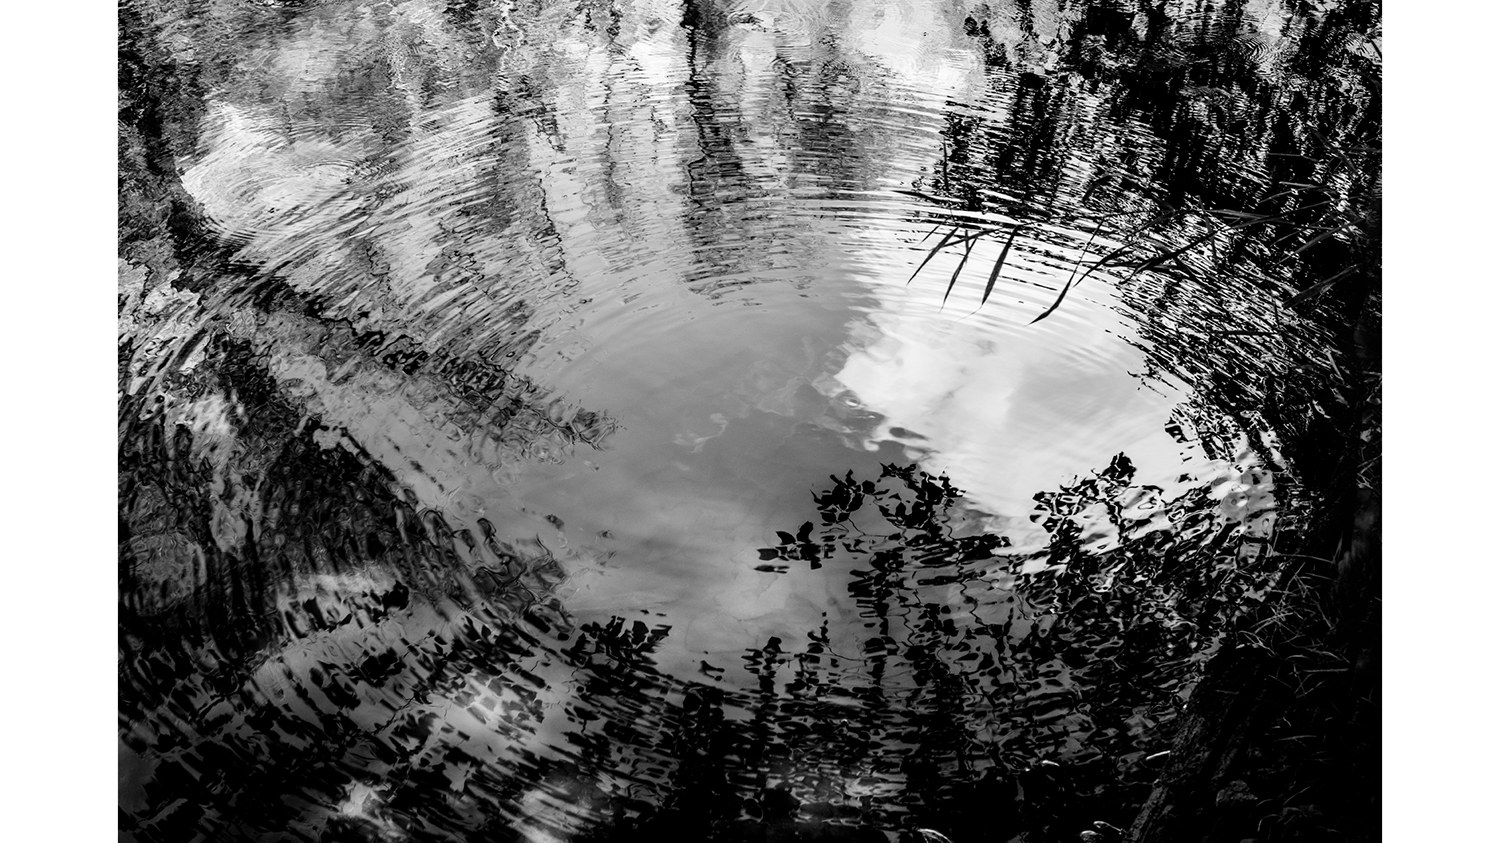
column 1318, row 288
column 1149, row 263
column 1095, row 185
column 1225, row 212
column 1060, row 296
column 968, row 249
column 1102, row 262
column 1074, row 271
column 1336, row 150
column 995, row 273
column 1157, row 260
column 1293, row 189
column 1317, row 239
column 932, row 254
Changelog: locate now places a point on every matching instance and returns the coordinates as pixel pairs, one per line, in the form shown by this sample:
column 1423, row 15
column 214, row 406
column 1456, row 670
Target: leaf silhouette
column 947, row 240
column 995, row 273
column 1086, row 245
column 1060, row 296
column 968, row 249
column 1157, row 260
column 1327, row 233
column 935, row 249
column 1318, row 288
column 1247, row 215
column 1102, row 262
column 1096, row 184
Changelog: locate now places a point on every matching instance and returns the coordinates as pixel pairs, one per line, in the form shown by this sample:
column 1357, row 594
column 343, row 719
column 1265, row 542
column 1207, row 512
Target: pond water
column 554, row 421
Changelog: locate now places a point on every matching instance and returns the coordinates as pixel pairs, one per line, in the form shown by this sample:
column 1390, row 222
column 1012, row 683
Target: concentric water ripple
column 580, row 431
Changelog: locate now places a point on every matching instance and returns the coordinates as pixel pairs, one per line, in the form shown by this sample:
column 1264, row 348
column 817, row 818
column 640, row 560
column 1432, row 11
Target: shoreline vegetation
column 1293, row 702
column 1278, row 170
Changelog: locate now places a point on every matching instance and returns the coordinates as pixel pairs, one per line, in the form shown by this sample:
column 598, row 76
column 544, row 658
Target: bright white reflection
column 1006, row 408
column 638, row 220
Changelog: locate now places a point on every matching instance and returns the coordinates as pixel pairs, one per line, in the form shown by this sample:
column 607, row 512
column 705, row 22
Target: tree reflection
column 991, row 685
column 1158, row 122
column 320, row 640
column 1056, row 667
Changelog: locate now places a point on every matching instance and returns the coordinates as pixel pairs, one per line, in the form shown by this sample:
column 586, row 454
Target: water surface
column 496, row 479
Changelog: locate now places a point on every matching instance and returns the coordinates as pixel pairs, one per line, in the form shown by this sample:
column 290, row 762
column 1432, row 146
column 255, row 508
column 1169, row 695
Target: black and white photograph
column 882, row 421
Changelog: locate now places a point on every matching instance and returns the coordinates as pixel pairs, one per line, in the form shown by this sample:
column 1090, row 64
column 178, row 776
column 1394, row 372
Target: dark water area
column 767, row 420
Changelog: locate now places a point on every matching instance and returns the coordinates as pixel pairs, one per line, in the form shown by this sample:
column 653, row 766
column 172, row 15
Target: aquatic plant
column 1267, row 154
